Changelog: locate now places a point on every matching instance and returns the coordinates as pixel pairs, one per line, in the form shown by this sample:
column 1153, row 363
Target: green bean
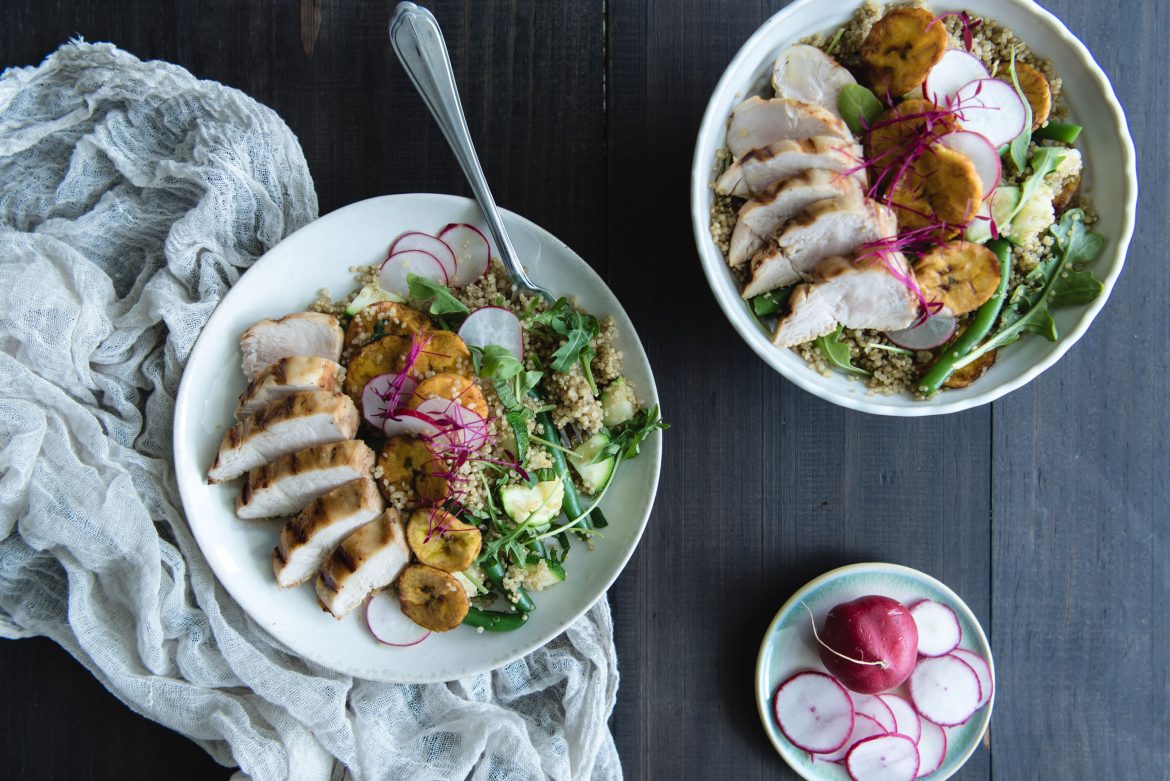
column 494, row 620
column 572, row 502
column 494, row 569
column 980, row 325
column 1065, row 132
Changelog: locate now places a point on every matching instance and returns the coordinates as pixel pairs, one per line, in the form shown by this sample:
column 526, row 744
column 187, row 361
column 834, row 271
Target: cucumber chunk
column 594, row 475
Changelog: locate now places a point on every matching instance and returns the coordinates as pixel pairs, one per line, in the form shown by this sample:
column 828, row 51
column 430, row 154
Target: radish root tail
column 879, row 663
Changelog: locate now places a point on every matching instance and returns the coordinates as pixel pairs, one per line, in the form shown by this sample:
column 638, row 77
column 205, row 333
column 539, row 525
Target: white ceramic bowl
column 1110, row 178
column 286, row 280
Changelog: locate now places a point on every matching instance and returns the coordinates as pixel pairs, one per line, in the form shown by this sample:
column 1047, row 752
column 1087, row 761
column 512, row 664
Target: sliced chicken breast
column 308, row 539
column 760, row 219
column 759, row 122
column 302, row 333
column 861, row 294
column 370, row 558
column 290, row 482
column 760, row 169
column 294, row 374
column 835, row 227
column 284, row 426
column 804, row 72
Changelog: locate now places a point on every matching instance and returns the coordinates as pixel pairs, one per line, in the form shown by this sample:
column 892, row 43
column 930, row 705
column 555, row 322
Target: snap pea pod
column 494, row 620
column 980, row 325
column 494, row 569
column 1065, row 132
column 572, row 502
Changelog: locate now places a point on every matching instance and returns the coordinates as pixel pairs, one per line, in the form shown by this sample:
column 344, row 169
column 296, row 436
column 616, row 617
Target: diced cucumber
column 593, row 474
column 537, row 575
column 370, row 294
column 537, row 505
column 618, row 403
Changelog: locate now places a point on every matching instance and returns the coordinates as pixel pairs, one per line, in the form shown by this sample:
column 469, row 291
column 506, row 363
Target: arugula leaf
column 442, row 302
column 518, row 420
column 578, row 328
column 837, row 352
column 1044, row 161
column 628, row 437
column 858, row 107
column 1018, row 151
column 512, row 383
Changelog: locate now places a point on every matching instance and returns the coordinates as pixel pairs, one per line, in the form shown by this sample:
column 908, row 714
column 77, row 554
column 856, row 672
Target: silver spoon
column 419, row 44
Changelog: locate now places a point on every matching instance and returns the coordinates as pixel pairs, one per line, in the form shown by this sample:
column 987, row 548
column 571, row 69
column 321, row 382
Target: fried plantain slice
column 384, row 355
column 452, row 387
column 444, row 353
column 441, row 540
column 384, row 318
column 901, row 48
column 1037, row 92
column 961, row 378
column 431, row 598
column 961, row 275
column 409, row 466
column 900, row 128
column 941, row 185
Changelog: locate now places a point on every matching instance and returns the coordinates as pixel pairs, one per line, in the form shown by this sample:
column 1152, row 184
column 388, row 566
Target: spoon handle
column 419, row 44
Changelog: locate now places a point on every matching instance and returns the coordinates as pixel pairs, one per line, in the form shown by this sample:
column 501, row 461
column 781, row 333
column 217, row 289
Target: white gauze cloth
column 131, row 197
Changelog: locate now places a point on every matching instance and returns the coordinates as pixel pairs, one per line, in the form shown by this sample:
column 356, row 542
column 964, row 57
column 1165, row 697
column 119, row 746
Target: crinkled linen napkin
column 131, row 197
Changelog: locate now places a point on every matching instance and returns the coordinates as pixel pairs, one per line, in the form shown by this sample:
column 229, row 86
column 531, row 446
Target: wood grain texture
column 1047, row 512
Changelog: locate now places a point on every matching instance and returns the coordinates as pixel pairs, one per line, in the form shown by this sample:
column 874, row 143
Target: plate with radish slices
column 875, row 672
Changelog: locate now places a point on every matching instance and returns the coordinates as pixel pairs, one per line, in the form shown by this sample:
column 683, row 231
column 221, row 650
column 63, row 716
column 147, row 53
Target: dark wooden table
column 1047, row 511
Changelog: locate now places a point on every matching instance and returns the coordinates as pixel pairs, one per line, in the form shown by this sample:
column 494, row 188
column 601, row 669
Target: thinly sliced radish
column 472, row 252
column 932, row 748
column 458, row 426
column 396, row 268
column 991, row 108
column 982, row 669
column 945, row 690
column 956, row 69
column 876, row 709
column 386, row 391
column 389, row 625
column 814, row 712
column 981, row 152
column 930, row 333
column 906, row 720
column 410, row 422
column 939, row 632
column 432, row 245
column 883, row 758
column 494, row 325
column 863, row 727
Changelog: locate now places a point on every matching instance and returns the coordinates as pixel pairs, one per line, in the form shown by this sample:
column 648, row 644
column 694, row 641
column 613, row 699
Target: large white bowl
column 286, row 280
column 1110, row 178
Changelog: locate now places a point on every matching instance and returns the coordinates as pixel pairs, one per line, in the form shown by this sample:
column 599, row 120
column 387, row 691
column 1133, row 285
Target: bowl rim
column 715, row 267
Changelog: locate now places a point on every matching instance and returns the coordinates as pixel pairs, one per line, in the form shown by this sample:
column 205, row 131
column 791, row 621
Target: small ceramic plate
column 287, row 279
column 789, row 647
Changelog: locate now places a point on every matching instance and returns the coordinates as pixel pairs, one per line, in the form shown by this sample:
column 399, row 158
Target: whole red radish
column 869, row 644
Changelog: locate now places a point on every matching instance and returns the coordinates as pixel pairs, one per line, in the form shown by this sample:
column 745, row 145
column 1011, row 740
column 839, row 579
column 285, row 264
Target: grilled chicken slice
column 284, row 426
column 760, row 169
column 295, row 374
column 371, row 558
column 760, row 219
column 804, row 72
column 836, row 227
column 290, row 482
column 308, row 539
column 758, row 122
column 861, row 294
column 302, row 333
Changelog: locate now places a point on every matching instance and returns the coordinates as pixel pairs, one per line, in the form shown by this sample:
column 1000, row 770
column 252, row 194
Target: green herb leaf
column 1044, row 161
column 578, row 328
column 442, row 302
column 519, row 423
column 628, row 437
column 858, row 107
column 1018, row 151
column 837, row 352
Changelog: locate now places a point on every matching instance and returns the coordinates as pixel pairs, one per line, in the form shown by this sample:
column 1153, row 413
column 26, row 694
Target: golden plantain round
column 961, row 275
column 431, row 598
column 379, row 357
column 408, row 466
column 384, row 318
column 452, row 550
column 444, row 353
column 901, row 48
column 1036, row 90
column 452, row 387
column 941, row 185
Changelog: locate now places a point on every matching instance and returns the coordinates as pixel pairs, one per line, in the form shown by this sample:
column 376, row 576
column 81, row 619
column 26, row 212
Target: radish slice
column 991, row 108
column 979, row 151
column 386, row 391
column 876, row 709
column 945, row 690
column 863, row 727
column 814, row 712
column 956, row 69
column 939, row 632
column 906, row 720
column 494, row 325
column 472, row 252
column 982, row 669
column 932, row 748
column 457, row 425
column 432, row 245
column 410, row 422
column 389, row 625
column 883, row 758
column 930, row 333
column 392, row 276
